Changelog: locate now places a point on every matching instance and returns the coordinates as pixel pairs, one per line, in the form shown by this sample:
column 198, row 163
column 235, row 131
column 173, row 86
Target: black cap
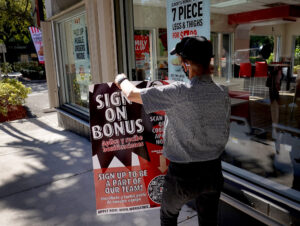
column 194, row 48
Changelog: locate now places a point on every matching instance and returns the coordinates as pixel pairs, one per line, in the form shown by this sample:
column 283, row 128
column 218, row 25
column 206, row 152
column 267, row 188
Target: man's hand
column 131, row 92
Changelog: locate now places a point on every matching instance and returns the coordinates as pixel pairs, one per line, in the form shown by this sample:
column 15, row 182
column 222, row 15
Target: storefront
column 91, row 41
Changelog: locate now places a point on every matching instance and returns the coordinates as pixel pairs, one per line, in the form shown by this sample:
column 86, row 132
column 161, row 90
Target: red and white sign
column 141, row 43
column 185, row 18
column 142, row 51
column 36, row 36
column 127, row 143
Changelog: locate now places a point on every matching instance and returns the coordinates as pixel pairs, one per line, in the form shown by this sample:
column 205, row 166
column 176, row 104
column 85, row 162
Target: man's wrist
column 120, row 78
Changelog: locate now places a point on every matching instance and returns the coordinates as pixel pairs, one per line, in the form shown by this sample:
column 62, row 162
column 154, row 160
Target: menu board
column 185, row 18
column 127, row 143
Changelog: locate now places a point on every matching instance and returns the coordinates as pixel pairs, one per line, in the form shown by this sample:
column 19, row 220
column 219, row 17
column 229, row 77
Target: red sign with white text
column 142, row 53
column 36, row 36
column 141, row 43
column 127, row 143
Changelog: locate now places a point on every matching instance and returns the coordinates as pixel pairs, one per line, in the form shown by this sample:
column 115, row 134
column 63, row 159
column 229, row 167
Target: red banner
column 127, row 146
column 36, row 36
column 141, row 43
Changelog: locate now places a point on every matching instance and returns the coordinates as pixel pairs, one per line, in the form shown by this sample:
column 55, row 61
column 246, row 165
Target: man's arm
column 131, row 92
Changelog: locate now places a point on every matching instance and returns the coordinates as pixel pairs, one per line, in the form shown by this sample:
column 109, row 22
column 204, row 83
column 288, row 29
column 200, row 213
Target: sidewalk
column 37, row 102
column 46, row 179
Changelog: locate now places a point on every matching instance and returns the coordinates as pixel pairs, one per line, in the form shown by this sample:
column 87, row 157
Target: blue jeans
column 184, row 182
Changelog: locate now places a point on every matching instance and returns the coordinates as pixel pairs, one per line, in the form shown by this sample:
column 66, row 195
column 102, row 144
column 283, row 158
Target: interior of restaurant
column 257, row 55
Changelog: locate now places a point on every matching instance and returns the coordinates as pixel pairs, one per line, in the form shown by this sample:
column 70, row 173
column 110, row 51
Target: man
column 196, row 132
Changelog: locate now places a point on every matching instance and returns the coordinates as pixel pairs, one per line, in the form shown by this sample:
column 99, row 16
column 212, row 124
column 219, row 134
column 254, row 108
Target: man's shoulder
column 177, row 85
column 222, row 88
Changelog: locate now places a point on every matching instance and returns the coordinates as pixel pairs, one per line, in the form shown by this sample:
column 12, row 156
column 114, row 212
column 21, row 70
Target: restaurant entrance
column 252, row 57
column 261, row 163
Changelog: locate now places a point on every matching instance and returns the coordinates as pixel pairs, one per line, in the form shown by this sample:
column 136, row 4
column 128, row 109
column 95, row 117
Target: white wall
column 292, row 29
column 149, row 17
column 285, row 31
column 278, row 30
column 219, row 23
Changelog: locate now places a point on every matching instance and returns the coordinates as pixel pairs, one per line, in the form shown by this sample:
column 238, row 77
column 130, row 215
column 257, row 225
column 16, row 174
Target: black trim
column 259, row 185
column 72, row 111
column 236, row 189
column 118, row 29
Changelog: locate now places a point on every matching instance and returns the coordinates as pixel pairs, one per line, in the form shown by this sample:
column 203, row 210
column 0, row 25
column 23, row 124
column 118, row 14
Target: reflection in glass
column 76, row 60
column 143, row 54
column 265, row 135
column 264, row 87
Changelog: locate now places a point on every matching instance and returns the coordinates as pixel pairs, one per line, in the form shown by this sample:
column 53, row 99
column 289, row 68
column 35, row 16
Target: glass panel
column 76, row 60
column 255, row 63
column 221, row 62
column 162, row 58
column 143, row 54
column 150, row 25
column 265, row 136
column 226, row 56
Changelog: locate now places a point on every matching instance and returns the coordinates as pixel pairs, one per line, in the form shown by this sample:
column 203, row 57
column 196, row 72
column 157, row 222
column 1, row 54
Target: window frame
column 59, row 48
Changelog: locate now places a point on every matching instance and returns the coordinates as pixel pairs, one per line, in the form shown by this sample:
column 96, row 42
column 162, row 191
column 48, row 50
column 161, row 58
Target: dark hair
column 266, row 50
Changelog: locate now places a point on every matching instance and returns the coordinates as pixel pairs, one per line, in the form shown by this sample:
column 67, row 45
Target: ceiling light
column 229, row 3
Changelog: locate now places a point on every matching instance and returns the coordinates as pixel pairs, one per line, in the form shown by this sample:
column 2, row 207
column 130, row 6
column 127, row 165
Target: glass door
column 222, row 50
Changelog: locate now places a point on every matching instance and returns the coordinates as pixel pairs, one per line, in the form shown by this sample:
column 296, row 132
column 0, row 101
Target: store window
column 74, row 60
column 256, row 64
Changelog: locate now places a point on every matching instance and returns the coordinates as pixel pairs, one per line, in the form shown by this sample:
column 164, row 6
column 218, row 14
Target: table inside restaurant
column 237, row 101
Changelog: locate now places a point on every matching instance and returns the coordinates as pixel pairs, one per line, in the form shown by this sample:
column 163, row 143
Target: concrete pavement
column 37, row 102
column 46, row 179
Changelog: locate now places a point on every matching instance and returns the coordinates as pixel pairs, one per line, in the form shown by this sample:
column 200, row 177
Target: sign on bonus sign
column 127, row 146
